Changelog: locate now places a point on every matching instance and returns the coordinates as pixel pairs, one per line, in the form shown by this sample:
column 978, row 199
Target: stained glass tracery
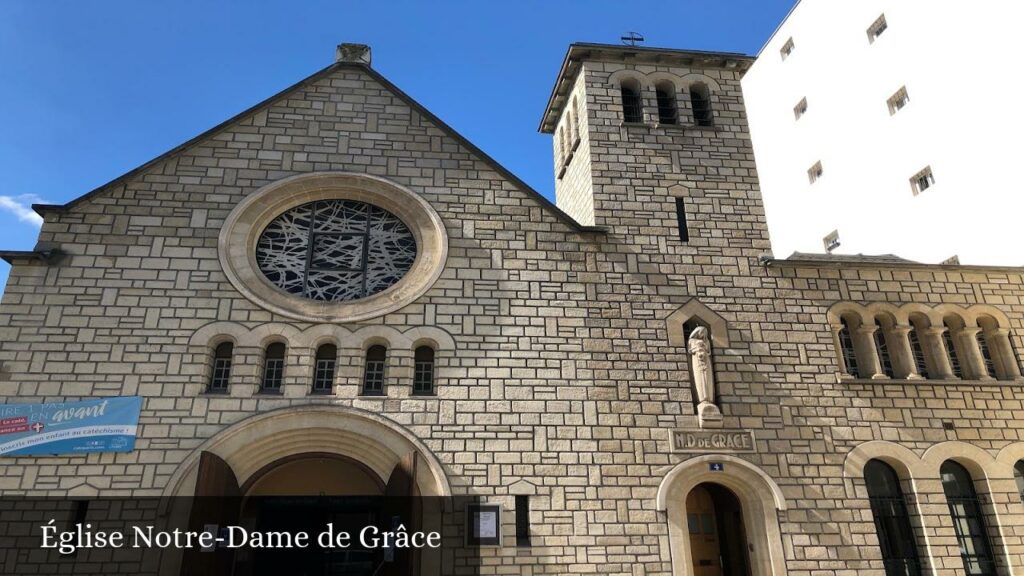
column 335, row 250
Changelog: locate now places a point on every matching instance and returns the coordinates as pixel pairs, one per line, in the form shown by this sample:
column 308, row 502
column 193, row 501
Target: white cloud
column 21, row 206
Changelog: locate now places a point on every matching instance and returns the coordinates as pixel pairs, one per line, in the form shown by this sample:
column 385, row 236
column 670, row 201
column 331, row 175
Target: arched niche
column 695, row 309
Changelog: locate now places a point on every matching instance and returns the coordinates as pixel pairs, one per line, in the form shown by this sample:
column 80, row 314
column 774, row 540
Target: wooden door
column 701, row 522
column 217, row 503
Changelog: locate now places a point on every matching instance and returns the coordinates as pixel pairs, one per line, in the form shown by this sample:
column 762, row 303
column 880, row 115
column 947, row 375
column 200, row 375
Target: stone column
column 901, row 353
column 975, row 362
column 1002, row 353
column 867, row 355
column 940, row 356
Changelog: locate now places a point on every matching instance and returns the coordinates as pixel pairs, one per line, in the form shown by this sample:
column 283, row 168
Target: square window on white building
column 800, row 109
column 922, row 181
column 831, row 241
column 814, row 172
column 877, row 29
column 898, row 100
column 787, row 48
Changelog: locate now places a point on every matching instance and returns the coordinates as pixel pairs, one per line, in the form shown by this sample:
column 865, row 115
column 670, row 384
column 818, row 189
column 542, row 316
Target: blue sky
column 90, row 90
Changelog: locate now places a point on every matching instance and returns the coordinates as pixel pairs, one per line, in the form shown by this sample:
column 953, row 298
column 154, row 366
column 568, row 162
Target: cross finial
column 632, row 39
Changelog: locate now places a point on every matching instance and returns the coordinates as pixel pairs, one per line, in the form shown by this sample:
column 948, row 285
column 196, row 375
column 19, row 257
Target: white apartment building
column 892, row 126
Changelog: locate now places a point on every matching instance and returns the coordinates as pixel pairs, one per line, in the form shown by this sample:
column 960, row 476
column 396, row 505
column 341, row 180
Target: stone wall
column 561, row 380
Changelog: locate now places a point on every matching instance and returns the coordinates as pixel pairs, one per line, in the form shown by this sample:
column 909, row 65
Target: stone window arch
column 325, row 364
column 700, row 104
column 668, row 107
column 996, row 349
column 220, row 369
column 968, row 519
column 892, row 519
column 424, row 370
column 577, row 119
column 272, row 377
column 632, row 102
column 374, row 367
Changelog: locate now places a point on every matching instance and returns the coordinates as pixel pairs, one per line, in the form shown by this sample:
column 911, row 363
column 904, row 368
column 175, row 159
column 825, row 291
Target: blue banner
column 100, row 425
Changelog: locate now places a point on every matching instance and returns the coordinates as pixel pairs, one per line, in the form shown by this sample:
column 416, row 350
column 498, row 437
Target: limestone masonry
column 532, row 350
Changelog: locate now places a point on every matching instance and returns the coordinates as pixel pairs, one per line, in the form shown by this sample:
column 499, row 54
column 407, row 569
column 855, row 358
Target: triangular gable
column 42, row 209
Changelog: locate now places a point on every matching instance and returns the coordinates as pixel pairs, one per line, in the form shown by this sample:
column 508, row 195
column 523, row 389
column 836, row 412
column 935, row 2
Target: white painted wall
column 960, row 64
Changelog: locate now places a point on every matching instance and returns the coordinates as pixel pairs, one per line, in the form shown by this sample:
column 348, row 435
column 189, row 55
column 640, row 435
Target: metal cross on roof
column 632, row 39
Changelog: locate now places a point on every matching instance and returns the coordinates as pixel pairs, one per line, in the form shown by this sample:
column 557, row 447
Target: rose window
column 335, row 250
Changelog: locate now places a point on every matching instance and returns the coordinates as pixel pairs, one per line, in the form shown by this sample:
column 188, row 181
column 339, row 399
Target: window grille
column 877, row 28
column 373, row 371
column 954, row 358
column 968, row 520
column 221, row 373
column 632, row 107
column 898, row 101
column 700, row 100
column 849, row 353
column 800, row 109
column 324, row 367
column 815, row 172
column 922, row 181
column 273, row 367
column 918, row 351
column 883, row 352
column 423, row 371
column 986, row 355
column 892, row 521
column 787, row 49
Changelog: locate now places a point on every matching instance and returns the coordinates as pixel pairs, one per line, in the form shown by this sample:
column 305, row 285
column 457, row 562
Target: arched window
column 951, row 351
column 572, row 127
column 373, row 370
column 1018, row 475
column 986, row 354
column 846, row 347
column 273, row 368
column 579, row 121
column 220, row 375
column 884, row 359
column 632, row 107
column 324, row 367
column 968, row 520
column 423, row 371
column 918, row 351
column 892, row 521
column 561, row 145
column 668, row 111
column 700, row 100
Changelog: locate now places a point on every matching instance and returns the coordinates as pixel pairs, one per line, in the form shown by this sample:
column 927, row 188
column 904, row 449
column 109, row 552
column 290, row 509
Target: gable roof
column 43, row 209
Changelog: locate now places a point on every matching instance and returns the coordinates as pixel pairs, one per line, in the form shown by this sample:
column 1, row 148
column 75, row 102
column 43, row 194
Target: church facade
column 334, row 287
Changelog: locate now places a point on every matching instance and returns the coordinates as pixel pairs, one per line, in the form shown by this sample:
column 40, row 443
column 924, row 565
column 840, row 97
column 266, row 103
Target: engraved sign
column 713, row 441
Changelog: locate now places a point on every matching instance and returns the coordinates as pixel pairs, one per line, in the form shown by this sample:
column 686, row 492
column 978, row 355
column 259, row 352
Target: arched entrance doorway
column 718, row 538
column 304, row 493
column 741, row 504
column 300, row 454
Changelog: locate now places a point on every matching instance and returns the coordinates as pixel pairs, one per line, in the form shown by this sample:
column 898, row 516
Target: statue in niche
column 703, row 377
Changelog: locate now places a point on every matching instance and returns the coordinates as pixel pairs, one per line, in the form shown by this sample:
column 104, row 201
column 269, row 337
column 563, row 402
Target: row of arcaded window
column 569, row 133
column 667, row 102
column 896, row 537
column 325, row 364
column 952, row 350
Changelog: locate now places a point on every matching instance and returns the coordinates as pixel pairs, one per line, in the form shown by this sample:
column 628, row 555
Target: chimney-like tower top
column 355, row 53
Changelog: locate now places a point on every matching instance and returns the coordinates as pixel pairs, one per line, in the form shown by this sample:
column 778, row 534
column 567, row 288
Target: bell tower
column 649, row 138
